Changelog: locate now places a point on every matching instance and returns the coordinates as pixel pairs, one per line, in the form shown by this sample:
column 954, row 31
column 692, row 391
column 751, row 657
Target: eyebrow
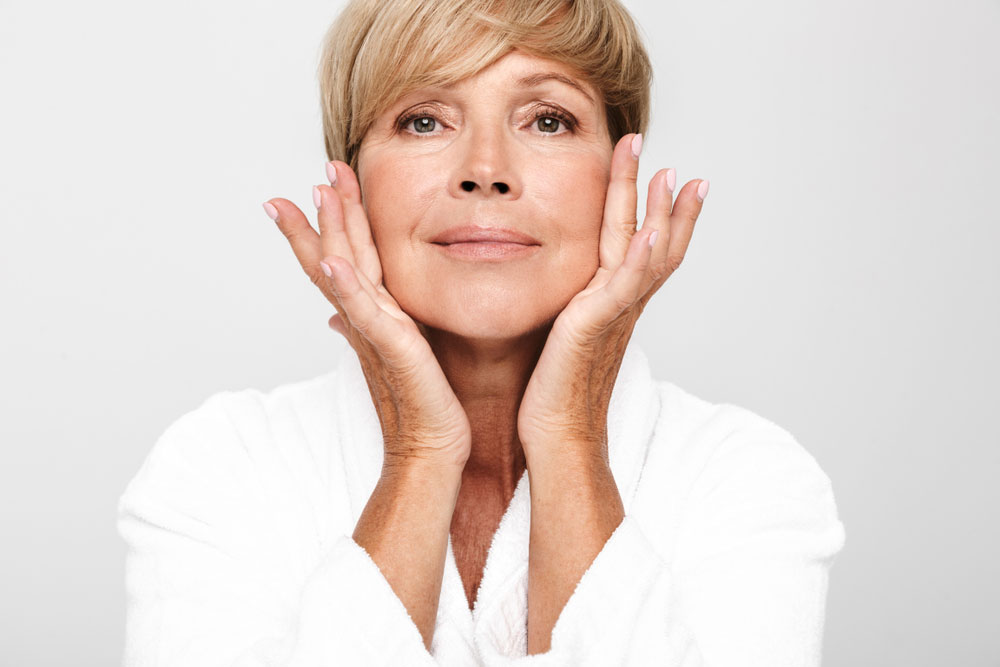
column 535, row 79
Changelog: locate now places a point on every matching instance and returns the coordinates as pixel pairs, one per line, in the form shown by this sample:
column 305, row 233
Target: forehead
column 519, row 70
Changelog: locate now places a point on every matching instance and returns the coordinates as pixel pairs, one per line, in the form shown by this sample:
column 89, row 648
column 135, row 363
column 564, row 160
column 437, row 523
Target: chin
column 487, row 314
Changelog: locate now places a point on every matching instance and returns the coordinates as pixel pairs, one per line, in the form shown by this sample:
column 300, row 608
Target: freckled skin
column 556, row 184
column 521, row 355
column 488, row 321
column 476, row 518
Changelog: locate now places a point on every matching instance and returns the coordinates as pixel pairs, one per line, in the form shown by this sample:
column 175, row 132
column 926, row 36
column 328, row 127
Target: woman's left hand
column 563, row 412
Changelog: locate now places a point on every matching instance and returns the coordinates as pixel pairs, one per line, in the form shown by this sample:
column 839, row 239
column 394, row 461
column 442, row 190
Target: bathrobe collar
column 632, row 412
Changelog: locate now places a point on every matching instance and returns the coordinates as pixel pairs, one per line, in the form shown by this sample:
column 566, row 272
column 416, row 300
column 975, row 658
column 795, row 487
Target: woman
column 513, row 482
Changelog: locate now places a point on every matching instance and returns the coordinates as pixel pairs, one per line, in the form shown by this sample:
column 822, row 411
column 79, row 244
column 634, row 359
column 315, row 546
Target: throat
column 478, row 512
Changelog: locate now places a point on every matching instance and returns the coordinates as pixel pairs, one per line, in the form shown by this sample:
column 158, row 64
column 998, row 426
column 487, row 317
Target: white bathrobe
column 239, row 523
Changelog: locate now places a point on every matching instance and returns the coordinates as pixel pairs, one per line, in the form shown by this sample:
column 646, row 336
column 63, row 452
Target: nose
column 487, row 164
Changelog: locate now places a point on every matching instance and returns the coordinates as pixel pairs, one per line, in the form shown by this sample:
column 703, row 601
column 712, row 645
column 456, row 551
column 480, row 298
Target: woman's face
column 491, row 151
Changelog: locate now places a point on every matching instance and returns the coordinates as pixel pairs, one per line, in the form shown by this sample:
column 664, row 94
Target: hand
column 422, row 419
column 564, row 407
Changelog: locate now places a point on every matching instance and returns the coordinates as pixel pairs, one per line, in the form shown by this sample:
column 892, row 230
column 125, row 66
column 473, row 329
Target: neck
column 489, row 377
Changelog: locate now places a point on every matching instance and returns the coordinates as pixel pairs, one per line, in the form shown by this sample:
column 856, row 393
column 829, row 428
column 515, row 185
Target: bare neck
column 489, row 378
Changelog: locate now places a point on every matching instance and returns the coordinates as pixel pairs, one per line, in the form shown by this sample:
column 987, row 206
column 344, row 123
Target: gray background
column 842, row 280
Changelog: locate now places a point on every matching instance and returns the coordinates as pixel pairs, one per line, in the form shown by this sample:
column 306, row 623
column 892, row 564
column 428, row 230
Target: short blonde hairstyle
column 377, row 51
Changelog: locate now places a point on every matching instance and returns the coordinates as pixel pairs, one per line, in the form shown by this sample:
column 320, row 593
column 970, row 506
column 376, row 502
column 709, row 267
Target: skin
column 487, row 322
column 531, row 347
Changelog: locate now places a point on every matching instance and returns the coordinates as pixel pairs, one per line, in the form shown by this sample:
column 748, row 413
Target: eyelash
column 547, row 112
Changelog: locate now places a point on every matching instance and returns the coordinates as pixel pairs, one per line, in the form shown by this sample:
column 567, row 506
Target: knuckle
column 317, row 277
column 659, row 269
column 623, row 301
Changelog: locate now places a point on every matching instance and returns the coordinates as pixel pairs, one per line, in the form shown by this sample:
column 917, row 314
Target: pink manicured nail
column 326, row 269
column 671, row 179
column 652, row 237
column 270, row 210
column 331, row 173
column 702, row 190
column 317, row 197
column 636, row 145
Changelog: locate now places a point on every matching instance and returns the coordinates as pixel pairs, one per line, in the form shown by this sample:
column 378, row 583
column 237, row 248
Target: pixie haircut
column 378, row 51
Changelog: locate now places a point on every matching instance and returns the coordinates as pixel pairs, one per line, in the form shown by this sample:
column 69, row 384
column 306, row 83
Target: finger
column 360, row 309
column 381, row 296
column 337, row 324
column 658, row 204
column 686, row 211
column 356, row 220
column 301, row 236
column 671, row 184
column 668, row 258
column 620, row 203
column 335, row 240
column 330, row 215
column 628, row 281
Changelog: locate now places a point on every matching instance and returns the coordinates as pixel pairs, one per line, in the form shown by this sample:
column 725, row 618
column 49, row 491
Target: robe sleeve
column 745, row 585
column 211, row 583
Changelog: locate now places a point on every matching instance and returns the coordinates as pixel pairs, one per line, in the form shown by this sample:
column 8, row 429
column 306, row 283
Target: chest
column 472, row 531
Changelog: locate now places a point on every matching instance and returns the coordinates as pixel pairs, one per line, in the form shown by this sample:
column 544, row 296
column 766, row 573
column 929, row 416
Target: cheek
column 571, row 197
column 395, row 199
column 574, row 206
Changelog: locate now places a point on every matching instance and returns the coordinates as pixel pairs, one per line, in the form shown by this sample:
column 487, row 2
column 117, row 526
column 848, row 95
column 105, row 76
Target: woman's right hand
column 422, row 419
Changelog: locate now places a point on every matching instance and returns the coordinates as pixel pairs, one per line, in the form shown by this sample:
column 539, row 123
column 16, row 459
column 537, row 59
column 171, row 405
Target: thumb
column 337, row 325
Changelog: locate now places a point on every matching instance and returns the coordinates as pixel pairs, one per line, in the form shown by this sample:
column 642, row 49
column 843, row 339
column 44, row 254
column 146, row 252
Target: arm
column 215, row 577
column 574, row 510
column 745, row 585
column 404, row 527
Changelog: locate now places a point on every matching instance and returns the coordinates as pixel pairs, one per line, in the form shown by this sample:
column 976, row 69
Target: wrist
column 423, row 470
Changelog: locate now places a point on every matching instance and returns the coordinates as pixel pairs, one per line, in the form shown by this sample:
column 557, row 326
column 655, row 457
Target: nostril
column 469, row 186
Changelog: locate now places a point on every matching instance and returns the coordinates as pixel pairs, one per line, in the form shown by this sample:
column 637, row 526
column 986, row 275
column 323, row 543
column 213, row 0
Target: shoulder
column 725, row 439
column 231, row 436
column 724, row 466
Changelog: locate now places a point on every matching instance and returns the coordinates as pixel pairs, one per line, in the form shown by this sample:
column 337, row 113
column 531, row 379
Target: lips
column 473, row 234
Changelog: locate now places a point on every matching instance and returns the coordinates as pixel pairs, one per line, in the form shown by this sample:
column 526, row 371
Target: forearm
column 404, row 528
column 575, row 507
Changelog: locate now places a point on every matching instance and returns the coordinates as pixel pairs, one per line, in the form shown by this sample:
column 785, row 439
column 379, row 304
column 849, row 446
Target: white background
column 842, row 280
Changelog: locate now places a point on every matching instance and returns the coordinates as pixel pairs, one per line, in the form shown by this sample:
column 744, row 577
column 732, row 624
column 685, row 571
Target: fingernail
column 331, row 173
column 702, row 190
column 652, row 237
column 326, row 269
column 671, row 179
column 636, row 145
column 317, row 196
column 270, row 210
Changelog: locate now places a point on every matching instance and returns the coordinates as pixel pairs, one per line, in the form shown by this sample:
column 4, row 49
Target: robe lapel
column 632, row 412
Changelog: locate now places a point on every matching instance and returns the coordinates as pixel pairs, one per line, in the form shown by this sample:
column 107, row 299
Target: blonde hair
column 377, row 51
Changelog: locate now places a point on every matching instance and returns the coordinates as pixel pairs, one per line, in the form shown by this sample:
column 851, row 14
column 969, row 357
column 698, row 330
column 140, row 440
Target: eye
column 547, row 120
column 548, row 123
column 423, row 123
